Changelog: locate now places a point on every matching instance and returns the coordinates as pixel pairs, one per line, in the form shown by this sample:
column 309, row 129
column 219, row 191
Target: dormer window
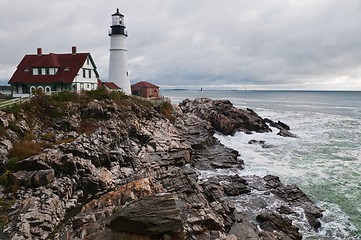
column 26, row 70
column 66, row 69
column 44, row 70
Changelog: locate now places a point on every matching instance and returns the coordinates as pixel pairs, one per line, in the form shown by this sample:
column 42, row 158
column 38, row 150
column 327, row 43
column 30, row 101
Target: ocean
column 325, row 161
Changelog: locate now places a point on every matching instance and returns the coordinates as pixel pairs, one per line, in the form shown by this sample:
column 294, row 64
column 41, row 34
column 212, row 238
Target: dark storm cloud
column 279, row 44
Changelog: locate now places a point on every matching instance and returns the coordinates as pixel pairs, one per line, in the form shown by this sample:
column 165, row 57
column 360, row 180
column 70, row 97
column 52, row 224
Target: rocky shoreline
column 138, row 175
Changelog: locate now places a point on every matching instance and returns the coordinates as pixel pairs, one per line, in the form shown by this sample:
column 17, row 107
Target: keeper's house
column 54, row 73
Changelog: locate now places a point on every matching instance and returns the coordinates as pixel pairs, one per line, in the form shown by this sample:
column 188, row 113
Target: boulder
column 150, row 215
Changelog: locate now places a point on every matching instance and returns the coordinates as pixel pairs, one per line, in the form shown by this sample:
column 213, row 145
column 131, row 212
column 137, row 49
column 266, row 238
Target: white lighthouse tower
column 118, row 63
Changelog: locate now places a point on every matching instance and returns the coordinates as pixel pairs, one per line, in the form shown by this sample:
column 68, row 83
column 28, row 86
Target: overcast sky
column 232, row 44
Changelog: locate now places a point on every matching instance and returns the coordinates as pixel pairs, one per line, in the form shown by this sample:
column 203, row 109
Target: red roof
column 73, row 62
column 144, row 84
column 111, row 85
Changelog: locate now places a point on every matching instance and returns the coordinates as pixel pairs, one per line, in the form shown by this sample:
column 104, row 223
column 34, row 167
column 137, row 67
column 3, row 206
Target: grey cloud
column 263, row 44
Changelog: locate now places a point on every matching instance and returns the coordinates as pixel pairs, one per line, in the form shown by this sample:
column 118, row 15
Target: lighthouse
column 118, row 62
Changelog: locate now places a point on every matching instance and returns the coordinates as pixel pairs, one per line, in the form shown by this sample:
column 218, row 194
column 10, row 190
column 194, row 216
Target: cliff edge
column 108, row 166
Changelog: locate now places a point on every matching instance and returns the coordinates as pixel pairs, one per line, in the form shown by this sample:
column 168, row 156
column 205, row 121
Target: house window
column 39, row 71
column 66, row 69
column 26, row 70
column 84, row 73
column 87, row 61
column 47, row 71
column 90, row 73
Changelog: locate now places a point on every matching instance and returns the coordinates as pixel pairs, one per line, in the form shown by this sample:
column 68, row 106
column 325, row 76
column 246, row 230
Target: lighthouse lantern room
column 118, row 62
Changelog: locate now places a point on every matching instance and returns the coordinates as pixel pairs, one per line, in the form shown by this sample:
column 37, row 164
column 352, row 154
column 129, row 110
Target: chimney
column 73, row 50
column 40, row 51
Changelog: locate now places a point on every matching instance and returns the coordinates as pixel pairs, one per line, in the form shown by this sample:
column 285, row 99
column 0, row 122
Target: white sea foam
column 325, row 161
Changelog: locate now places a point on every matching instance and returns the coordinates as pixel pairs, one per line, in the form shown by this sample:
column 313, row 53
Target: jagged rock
column 93, row 110
column 34, row 178
column 128, row 192
column 156, row 166
column 33, row 164
column 35, row 215
column 224, row 117
column 67, row 124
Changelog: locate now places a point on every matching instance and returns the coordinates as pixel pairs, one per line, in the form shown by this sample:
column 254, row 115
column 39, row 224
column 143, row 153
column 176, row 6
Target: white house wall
column 86, row 83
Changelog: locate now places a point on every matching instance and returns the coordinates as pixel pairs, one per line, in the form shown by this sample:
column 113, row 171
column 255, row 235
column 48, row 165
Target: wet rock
column 262, row 143
column 286, row 133
column 284, row 129
column 274, row 222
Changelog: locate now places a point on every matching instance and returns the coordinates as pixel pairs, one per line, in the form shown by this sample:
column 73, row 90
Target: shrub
column 14, row 127
column 5, row 179
column 166, row 109
column 2, row 131
column 65, row 96
column 11, row 163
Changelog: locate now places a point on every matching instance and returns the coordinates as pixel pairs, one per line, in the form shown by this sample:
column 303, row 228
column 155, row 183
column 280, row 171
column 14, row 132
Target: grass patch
column 5, row 205
column 88, row 127
column 25, row 149
column 14, row 108
column 48, row 136
column 68, row 140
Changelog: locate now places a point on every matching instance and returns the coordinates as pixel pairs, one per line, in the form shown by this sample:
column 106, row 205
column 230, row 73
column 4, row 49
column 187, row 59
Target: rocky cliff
column 114, row 167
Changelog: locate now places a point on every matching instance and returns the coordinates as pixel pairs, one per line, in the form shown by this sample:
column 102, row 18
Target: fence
column 13, row 101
